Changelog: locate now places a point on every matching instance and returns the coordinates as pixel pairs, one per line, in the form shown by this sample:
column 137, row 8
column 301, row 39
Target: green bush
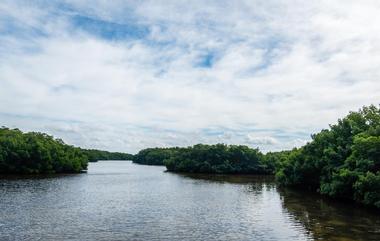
column 96, row 155
column 154, row 156
column 218, row 158
column 341, row 162
column 34, row 153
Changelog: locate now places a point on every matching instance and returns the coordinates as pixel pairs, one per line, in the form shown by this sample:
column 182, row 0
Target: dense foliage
column 218, row 158
column 32, row 153
column 201, row 158
column 341, row 162
column 154, row 156
column 96, row 155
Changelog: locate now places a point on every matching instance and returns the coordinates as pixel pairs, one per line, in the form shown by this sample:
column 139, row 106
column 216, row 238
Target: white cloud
column 280, row 71
column 261, row 140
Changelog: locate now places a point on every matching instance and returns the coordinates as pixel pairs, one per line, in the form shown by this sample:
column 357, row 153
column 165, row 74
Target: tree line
column 200, row 158
column 37, row 153
column 155, row 156
column 341, row 162
column 97, row 155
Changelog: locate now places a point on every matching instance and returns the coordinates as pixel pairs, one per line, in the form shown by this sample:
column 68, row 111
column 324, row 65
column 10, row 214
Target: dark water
column 123, row 201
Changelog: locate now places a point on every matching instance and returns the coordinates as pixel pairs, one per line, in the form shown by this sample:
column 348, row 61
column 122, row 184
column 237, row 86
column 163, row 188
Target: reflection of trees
column 238, row 179
column 265, row 184
column 330, row 220
column 253, row 184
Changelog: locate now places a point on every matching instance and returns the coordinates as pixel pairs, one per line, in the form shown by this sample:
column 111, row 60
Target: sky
column 126, row 75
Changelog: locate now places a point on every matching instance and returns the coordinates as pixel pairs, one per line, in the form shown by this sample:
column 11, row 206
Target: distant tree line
column 219, row 158
column 96, row 155
column 37, row 153
column 154, row 156
column 341, row 162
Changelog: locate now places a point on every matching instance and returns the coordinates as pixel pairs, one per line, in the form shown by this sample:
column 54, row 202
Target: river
column 118, row 200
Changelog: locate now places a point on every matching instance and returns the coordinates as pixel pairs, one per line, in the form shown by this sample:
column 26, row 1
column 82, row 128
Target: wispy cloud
column 159, row 73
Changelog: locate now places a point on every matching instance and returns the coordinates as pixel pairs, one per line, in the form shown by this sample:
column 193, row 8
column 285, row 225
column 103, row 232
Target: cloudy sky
column 125, row 75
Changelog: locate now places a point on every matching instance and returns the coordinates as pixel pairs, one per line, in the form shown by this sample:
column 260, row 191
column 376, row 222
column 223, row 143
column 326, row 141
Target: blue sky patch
column 110, row 30
column 206, row 60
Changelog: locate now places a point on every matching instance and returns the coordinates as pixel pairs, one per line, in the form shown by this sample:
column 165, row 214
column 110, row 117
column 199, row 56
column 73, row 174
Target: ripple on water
column 123, row 201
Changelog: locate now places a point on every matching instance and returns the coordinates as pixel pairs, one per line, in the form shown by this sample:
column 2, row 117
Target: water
column 123, row 201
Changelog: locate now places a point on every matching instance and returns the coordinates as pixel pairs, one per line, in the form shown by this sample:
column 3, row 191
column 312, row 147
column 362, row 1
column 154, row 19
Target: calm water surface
column 124, row 201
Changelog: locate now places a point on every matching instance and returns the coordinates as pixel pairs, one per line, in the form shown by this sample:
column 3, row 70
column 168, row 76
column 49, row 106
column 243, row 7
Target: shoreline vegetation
column 98, row 155
column 201, row 158
column 39, row 153
column 342, row 162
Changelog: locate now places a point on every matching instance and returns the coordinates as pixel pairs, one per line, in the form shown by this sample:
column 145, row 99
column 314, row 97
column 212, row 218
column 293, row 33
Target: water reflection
column 239, row 179
column 123, row 201
column 254, row 184
column 331, row 220
column 322, row 218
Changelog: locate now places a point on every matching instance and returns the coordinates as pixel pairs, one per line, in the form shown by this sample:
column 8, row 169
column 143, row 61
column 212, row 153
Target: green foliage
column 201, row 158
column 273, row 159
column 342, row 162
column 96, row 155
column 218, row 158
column 154, row 156
column 33, row 153
column 367, row 189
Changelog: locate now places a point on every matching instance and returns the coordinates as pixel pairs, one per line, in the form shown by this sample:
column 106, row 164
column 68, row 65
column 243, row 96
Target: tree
column 341, row 162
